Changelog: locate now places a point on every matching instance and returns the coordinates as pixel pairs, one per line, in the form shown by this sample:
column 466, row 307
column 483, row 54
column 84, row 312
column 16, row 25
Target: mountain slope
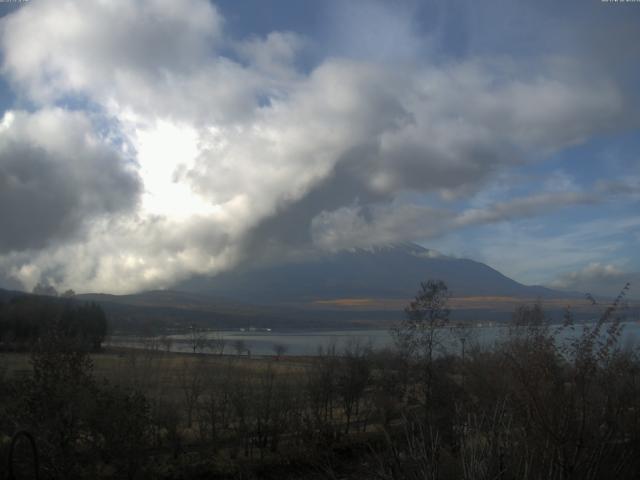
column 385, row 272
column 332, row 290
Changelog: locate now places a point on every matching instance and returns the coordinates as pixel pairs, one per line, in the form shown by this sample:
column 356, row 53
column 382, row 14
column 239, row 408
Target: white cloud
column 360, row 226
column 222, row 145
column 103, row 49
column 274, row 54
column 524, row 207
column 529, row 252
column 607, row 279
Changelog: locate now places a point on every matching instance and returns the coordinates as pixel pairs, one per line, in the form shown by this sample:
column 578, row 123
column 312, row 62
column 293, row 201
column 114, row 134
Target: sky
column 145, row 142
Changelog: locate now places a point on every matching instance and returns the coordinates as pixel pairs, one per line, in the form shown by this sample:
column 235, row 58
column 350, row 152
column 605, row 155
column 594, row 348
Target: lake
column 263, row 343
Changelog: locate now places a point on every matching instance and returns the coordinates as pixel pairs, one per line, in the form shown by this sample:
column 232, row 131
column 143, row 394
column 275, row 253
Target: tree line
column 25, row 319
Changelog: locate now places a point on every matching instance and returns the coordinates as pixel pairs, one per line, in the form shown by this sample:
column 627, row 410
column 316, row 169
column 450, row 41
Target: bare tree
column 217, row 343
column 215, row 405
column 354, row 375
column 464, row 333
column 166, row 342
column 197, row 339
column 241, row 397
column 420, row 332
column 321, row 394
column 191, row 378
column 279, row 349
column 577, row 396
column 240, row 346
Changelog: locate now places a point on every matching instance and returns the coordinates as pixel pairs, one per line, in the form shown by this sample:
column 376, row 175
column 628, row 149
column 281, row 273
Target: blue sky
column 142, row 143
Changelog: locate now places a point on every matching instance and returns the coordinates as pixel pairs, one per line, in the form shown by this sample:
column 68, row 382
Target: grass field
column 152, row 370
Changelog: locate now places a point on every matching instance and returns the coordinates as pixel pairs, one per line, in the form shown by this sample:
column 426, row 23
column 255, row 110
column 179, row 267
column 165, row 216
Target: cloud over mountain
column 171, row 147
column 605, row 278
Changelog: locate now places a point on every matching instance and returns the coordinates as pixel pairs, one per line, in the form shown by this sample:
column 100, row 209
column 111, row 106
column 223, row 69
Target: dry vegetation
column 529, row 407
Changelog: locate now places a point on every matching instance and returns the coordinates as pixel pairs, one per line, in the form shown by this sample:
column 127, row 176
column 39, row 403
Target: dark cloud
column 38, row 201
column 47, row 191
column 289, row 231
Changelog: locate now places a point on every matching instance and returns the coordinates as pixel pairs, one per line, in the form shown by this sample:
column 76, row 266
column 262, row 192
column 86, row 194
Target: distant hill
column 359, row 287
column 161, row 310
column 390, row 272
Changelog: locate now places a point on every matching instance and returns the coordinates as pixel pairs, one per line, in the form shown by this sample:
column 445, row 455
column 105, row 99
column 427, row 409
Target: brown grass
column 472, row 302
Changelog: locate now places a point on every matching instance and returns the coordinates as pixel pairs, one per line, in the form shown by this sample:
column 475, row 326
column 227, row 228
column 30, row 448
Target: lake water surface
column 309, row 342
